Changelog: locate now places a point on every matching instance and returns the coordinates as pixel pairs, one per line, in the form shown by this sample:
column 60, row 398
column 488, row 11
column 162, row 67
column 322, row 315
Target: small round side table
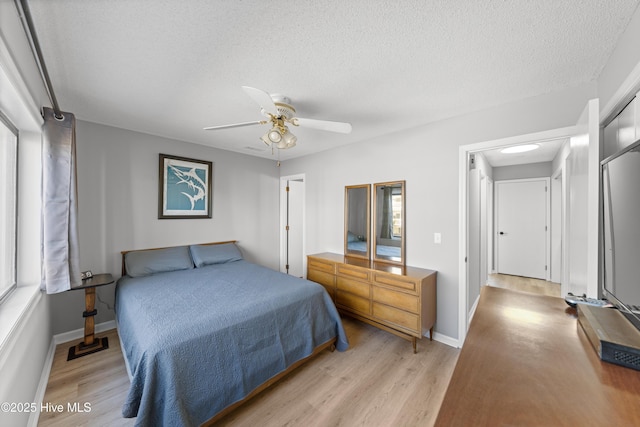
column 91, row 343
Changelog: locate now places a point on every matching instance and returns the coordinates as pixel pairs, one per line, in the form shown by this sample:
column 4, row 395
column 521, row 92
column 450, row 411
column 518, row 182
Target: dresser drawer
column 354, row 272
column 401, row 282
column 325, row 279
column 353, row 302
column 393, row 298
column 316, row 264
column 331, row 291
column 398, row 317
column 356, row 287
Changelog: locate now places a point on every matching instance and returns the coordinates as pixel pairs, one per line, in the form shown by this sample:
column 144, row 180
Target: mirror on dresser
column 389, row 222
column 357, row 211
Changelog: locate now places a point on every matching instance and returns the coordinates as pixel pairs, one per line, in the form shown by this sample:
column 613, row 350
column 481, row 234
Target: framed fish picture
column 184, row 188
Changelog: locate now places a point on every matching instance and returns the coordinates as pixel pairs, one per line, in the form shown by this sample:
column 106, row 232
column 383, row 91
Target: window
column 8, row 205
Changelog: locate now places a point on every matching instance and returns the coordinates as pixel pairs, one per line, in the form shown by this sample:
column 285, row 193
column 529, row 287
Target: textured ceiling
column 172, row 67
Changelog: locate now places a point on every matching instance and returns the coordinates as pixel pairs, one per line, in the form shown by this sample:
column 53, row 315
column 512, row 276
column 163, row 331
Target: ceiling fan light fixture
column 282, row 138
column 288, row 140
column 274, row 135
column 279, row 111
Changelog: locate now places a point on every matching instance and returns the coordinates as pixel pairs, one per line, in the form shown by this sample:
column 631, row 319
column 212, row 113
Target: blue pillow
column 215, row 254
column 144, row 263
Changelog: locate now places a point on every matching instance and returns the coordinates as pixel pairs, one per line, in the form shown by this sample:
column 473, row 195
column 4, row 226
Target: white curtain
column 60, row 254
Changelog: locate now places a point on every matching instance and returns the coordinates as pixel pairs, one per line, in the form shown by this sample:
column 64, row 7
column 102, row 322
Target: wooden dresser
column 397, row 299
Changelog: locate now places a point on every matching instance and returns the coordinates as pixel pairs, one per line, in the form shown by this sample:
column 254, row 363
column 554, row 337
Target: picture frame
column 184, row 188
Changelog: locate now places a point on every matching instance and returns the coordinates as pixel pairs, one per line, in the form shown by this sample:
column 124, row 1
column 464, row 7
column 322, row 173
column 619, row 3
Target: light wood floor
column 525, row 284
column 99, row 379
column 377, row 382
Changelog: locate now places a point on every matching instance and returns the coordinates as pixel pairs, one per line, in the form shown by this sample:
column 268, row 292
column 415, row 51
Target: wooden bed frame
column 331, row 345
column 226, row 411
column 123, row 253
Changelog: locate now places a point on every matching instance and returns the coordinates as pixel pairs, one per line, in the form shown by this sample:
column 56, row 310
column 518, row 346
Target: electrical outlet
column 437, row 238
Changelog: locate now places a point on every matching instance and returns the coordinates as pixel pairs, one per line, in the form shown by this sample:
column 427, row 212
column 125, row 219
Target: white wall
column 559, row 160
column 118, row 207
column 25, row 327
column 427, row 158
column 529, row 170
column 23, row 359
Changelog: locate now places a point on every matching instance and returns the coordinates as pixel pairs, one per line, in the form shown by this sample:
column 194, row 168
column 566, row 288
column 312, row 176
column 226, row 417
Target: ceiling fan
column 279, row 112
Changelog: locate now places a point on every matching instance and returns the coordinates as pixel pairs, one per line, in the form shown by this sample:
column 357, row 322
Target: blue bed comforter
column 199, row 340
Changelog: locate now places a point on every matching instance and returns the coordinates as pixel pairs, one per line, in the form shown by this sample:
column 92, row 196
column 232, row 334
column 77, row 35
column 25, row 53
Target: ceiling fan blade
column 339, row 127
column 236, row 125
column 263, row 99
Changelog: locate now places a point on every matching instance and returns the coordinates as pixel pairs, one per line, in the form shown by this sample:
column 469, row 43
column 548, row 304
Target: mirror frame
column 389, row 259
column 347, row 252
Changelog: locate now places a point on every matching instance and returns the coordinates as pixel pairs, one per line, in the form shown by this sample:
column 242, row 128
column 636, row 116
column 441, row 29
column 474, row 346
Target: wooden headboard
column 123, row 253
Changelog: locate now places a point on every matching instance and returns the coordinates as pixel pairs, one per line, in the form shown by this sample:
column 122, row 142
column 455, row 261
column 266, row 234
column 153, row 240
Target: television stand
column 613, row 337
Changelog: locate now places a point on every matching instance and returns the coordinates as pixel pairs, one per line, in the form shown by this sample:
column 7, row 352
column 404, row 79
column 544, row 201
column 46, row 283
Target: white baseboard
column 46, row 369
column 472, row 312
column 79, row 333
column 445, row 339
column 42, row 384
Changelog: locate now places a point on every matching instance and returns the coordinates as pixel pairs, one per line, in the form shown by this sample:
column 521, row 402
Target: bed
column 202, row 330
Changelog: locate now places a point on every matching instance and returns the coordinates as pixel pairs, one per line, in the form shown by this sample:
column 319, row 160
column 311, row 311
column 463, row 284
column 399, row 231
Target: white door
column 521, row 227
column 294, row 252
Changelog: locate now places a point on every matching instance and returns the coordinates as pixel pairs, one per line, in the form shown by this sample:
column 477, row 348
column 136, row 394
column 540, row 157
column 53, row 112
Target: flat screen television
column 621, row 230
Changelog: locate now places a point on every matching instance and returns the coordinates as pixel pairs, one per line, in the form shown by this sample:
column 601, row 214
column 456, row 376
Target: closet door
column 295, row 251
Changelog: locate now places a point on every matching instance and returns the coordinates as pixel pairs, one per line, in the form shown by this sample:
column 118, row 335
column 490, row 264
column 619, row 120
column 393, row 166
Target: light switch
column 437, row 238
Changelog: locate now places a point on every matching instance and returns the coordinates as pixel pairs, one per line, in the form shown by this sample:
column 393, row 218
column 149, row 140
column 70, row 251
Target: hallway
column 524, row 284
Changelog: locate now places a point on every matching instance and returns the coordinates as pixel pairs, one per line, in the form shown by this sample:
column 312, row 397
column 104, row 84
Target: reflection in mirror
column 357, row 202
column 389, row 202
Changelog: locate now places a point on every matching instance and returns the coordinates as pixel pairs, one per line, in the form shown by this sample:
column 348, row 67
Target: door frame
column 547, row 257
column 558, row 220
column 283, row 221
column 463, row 218
column 491, row 193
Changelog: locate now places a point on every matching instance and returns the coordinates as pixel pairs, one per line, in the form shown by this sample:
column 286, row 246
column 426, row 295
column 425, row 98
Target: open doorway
column 483, row 170
column 508, row 211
